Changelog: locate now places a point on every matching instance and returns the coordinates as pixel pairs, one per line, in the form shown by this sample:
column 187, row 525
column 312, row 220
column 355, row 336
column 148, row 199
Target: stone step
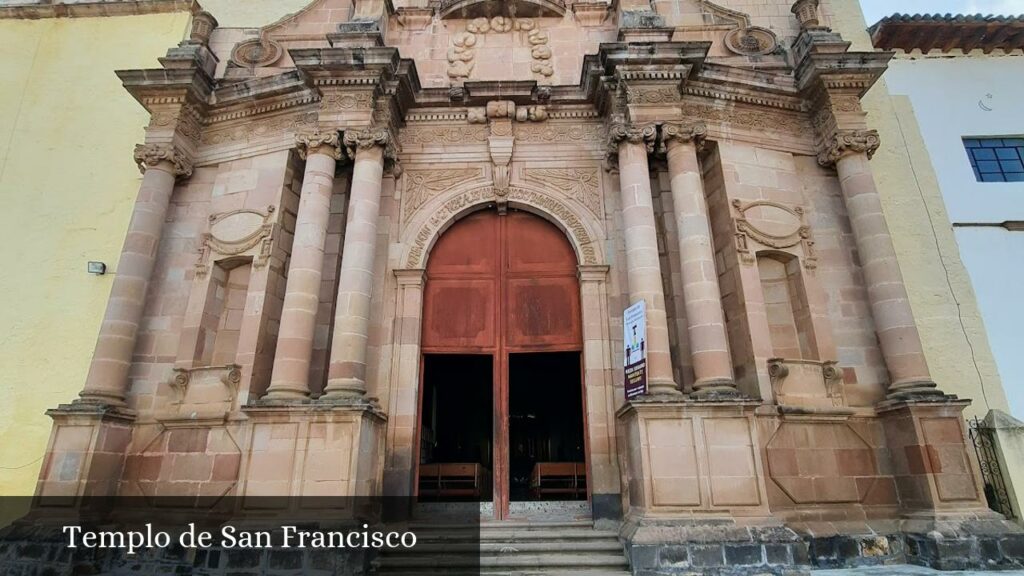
column 505, row 572
column 513, row 562
column 505, row 547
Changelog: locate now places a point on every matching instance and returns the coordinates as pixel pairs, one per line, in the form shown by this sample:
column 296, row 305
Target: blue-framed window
column 996, row 159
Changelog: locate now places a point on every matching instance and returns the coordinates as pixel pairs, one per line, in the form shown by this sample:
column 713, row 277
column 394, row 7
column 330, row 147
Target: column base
column 287, row 395
column 914, row 390
column 716, row 389
column 86, row 453
column 343, row 390
column 935, row 471
column 666, row 389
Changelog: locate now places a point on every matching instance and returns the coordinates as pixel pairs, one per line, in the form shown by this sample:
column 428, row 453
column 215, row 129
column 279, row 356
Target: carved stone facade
column 692, row 165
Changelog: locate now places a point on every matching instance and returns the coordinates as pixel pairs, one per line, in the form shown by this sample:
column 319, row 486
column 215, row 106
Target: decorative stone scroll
column 845, row 142
column 150, row 155
column 777, row 226
column 806, row 383
column 462, row 54
column 458, row 204
column 238, row 232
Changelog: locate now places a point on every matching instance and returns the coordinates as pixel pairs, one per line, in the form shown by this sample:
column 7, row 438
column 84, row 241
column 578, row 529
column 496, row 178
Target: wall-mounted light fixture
column 97, row 268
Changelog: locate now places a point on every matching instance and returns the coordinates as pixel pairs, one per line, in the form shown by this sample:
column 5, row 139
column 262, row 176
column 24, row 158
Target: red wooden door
column 500, row 284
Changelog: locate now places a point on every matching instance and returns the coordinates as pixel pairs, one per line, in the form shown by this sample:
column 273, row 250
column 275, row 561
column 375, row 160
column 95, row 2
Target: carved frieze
column 754, row 119
column 444, row 135
column 579, row 184
column 151, row 155
column 238, row 232
column 844, row 142
column 340, row 101
column 257, row 129
column 422, row 185
column 772, row 225
column 559, row 133
column 652, row 94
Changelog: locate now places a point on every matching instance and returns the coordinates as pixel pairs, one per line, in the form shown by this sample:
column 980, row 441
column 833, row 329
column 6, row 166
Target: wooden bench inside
column 553, row 478
column 453, row 480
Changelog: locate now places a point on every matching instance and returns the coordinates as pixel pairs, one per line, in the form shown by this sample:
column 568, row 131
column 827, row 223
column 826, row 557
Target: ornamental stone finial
column 806, row 12
column 314, row 141
column 846, row 142
column 152, row 155
column 685, row 132
column 203, row 25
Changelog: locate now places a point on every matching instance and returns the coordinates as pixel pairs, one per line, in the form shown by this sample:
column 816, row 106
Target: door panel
column 542, row 313
column 498, row 284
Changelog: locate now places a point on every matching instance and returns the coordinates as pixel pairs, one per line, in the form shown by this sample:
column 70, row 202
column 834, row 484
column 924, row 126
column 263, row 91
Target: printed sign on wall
column 635, row 338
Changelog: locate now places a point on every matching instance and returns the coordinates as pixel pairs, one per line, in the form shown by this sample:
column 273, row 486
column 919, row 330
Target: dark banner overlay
column 238, row 536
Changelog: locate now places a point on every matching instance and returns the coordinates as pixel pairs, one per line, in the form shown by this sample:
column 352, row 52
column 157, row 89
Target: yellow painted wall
column 251, row 13
column 940, row 290
column 67, row 184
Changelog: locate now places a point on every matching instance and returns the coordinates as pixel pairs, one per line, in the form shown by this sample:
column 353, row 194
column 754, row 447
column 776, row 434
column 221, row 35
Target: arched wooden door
column 499, row 285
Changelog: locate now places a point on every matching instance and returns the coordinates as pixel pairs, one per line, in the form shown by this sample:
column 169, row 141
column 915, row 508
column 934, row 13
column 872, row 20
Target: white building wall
column 955, row 97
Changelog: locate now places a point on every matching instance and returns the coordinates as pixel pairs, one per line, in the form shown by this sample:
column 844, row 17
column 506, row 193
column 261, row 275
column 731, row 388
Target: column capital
column 845, row 142
column 684, row 133
column 152, row 155
column 316, row 142
column 363, row 138
column 592, row 272
column 411, row 276
column 618, row 132
column 645, row 134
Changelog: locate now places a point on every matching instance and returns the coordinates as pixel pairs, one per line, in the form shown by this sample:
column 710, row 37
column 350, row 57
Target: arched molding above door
column 421, row 233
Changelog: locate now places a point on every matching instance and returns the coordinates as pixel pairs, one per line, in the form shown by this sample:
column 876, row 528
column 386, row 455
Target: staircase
column 513, row 548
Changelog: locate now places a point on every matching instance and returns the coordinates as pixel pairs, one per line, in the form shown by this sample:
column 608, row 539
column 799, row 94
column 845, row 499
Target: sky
column 875, row 10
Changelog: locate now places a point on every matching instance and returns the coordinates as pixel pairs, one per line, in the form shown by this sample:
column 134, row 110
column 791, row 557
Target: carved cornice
column 845, row 142
column 317, row 142
column 684, row 132
column 151, row 155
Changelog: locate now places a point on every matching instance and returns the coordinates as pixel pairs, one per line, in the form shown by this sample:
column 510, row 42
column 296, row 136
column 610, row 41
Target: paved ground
column 906, row 570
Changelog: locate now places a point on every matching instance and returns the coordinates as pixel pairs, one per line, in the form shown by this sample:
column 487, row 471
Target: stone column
column 709, row 341
column 346, row 378
column 107, row 382
column 290, row 377
column 643, row 265
column 900, row 342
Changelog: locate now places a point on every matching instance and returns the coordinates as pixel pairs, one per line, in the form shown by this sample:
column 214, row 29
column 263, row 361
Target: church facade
column 386, row 250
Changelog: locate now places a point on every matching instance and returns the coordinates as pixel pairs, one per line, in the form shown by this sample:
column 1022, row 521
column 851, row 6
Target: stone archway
column 584, row 233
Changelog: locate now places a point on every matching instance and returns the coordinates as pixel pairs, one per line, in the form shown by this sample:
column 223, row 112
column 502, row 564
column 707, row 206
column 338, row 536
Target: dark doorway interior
column 546, row 450
column 456, row 434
